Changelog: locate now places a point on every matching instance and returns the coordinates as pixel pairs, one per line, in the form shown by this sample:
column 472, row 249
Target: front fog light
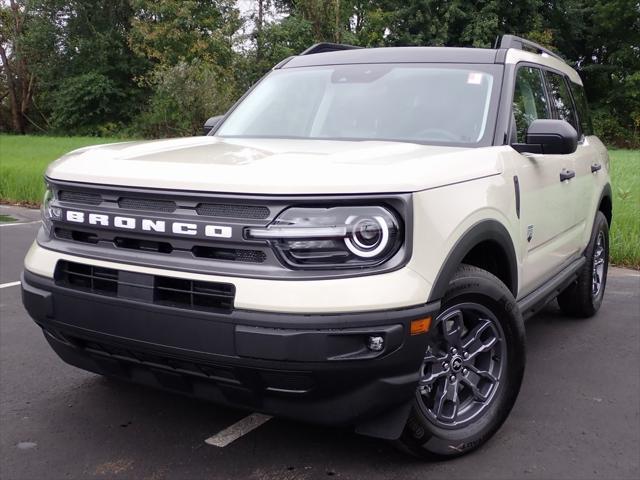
column 375, row 343
column 338, row 237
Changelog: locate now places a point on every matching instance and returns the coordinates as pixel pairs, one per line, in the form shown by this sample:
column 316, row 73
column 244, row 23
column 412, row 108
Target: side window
column 561, row 99
column 584, row 116
column 529, row 101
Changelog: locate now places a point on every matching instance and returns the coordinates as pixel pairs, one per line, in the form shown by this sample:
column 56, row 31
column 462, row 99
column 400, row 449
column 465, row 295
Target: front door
column 549, row 226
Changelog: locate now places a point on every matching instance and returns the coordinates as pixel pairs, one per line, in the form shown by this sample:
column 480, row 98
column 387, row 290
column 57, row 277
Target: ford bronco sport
column 356, row 242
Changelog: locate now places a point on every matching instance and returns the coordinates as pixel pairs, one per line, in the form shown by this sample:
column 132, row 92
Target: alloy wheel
column 463, row 365
column 599, row 257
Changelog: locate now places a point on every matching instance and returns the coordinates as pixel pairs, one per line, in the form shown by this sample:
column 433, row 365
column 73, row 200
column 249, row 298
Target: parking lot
column 578, row 414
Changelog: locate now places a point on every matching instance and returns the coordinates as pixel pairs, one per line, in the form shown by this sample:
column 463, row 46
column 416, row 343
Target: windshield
column 434, row 104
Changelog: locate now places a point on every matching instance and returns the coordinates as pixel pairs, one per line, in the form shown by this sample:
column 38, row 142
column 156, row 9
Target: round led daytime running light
column 355, row 246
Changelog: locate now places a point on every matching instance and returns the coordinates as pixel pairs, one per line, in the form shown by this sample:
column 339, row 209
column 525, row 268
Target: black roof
column 398, row 55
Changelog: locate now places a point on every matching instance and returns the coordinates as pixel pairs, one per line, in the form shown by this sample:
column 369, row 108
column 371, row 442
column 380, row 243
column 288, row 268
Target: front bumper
column 310, row 367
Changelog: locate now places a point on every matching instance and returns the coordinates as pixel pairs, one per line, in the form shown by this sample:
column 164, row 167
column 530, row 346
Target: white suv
column 355, row 243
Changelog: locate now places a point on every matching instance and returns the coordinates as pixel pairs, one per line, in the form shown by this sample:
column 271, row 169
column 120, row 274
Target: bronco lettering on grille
column 148, row 224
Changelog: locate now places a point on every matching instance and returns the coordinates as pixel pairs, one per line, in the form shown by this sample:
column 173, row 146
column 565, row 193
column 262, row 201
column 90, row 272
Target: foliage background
column 156, row 68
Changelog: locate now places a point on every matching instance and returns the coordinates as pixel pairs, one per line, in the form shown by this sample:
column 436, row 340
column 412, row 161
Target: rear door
column 591, row 161
column 581, row 184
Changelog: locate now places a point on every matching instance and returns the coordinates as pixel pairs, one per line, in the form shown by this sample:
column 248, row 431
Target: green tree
column 602, row 38
column 17, row 79
column 170, row 31
column 184, row 96
column 81, row 72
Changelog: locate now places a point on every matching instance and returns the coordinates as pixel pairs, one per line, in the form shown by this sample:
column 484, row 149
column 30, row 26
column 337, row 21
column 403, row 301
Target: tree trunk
column 14, row 103
column 259, row 29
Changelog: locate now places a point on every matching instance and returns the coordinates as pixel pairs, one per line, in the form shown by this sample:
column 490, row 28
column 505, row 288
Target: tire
column 582, row 299
column 480, row 311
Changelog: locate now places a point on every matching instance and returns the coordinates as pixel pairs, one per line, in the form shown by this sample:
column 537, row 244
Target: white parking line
column 19, row 223
column 10, row 284
column 237, row 430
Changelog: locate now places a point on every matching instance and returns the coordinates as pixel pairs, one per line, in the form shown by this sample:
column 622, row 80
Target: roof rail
column 511, row 41
column 327, row 47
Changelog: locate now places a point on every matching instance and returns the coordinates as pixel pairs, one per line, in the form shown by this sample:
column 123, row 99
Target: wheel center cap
column 456, row 364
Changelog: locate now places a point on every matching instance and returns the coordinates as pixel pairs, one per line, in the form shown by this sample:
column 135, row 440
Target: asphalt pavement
column 577, row 416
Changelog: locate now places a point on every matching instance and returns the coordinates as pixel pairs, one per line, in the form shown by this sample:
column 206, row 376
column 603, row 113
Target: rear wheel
column 472, row 369
column 583, row 298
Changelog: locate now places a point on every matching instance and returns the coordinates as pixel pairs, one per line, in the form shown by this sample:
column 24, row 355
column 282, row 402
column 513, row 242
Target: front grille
column 242, row 255
column 83, row 198
column 76, row 235
column 143, row 245
column 178, row 292
column 230, row 254
column 103, row 281
column 175, row 292
column 252, row 212
column 149, row 205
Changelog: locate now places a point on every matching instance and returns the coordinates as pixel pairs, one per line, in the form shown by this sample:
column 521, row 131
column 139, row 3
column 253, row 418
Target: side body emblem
column 529, row 233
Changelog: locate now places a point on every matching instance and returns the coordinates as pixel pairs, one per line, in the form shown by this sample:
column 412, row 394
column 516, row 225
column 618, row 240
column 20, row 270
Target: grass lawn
column 6, row 219
column 23, row 161
column 625, row 231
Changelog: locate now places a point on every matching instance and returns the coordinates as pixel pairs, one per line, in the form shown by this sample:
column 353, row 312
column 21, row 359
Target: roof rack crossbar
column 327, row 47
column 511, row 41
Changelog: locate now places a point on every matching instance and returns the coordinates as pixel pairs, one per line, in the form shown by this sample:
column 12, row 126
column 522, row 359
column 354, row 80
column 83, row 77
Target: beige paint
column 453, row 189
column 375, row 292
column 270, row 166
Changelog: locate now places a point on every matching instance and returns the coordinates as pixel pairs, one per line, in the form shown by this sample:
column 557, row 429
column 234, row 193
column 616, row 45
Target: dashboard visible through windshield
column 424, row 103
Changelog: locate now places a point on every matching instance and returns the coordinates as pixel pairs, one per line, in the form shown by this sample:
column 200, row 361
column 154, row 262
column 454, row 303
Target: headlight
column 338, row 237
column 49, row 212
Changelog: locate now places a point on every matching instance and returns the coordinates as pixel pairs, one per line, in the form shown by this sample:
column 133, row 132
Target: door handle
column 567, row 175
column 596, row 167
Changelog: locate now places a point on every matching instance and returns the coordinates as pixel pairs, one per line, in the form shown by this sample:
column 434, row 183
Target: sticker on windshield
column 475, row 78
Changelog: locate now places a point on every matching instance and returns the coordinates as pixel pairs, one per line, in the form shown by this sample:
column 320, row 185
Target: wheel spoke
column 477, row 394
column 437, row 372
column 473, row 343
column 447, row 393
column 452, row 326
column 434, row 368
column 482, row 373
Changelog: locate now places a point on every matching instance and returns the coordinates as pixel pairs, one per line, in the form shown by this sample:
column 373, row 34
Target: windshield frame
column 496, row 70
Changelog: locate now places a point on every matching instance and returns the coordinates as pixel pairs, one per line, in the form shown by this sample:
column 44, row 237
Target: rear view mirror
column 549, row 137
column 212, row 123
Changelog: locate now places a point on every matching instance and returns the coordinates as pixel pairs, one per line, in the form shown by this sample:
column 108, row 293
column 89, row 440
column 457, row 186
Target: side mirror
column 549, row 137
column 212, row 123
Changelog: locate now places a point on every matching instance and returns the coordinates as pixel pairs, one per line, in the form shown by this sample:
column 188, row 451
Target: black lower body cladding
column 313, row 368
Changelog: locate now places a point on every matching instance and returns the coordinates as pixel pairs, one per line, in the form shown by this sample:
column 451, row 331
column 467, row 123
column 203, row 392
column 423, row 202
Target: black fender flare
column 606, row 193
column 482, row 231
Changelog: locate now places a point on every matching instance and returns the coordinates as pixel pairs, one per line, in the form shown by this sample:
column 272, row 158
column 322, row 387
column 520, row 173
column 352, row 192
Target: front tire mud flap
column 387, row 426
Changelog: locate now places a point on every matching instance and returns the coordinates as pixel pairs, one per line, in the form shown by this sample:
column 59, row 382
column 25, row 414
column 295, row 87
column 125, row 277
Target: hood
column 275, row 166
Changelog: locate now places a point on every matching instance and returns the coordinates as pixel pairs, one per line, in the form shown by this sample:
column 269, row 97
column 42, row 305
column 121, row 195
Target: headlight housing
column 49, row 212
column 336, row 237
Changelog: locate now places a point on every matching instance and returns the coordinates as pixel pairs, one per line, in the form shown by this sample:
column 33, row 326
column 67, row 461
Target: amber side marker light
column 420, row 326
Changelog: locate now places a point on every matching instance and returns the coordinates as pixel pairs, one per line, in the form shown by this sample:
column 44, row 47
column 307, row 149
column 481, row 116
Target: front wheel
column 472, row 369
